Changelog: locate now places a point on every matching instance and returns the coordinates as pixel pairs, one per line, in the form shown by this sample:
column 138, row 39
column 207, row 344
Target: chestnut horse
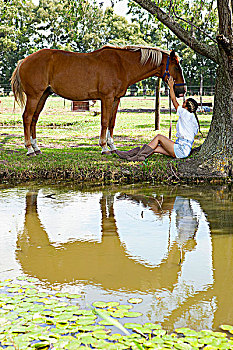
column 104, row 74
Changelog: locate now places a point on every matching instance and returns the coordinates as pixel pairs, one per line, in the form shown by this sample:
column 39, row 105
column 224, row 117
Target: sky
column 120, row 6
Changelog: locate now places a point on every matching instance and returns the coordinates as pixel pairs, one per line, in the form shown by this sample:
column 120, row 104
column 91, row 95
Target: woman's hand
column 170, row 82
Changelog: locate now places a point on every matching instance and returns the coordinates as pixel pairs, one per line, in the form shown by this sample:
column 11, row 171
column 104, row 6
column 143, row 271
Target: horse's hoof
column 31, row 154
column 38, row 152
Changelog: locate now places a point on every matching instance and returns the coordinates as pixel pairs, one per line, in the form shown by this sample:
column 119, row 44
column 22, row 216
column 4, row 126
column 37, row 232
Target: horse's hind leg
column 35, row 117
column 28, row 113
column 110, row 142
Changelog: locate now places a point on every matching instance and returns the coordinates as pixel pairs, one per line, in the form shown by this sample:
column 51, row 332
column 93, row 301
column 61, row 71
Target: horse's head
column 173, row 68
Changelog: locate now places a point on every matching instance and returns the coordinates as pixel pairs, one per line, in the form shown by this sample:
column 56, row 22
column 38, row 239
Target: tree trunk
column 215, row 158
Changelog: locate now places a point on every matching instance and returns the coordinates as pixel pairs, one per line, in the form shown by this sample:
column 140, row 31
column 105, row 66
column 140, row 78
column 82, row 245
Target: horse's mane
column 153, row 53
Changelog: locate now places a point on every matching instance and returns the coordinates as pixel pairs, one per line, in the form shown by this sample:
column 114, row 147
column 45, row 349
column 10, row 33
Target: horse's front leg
column 35, row 117
column 106, row 108
column 110, row 141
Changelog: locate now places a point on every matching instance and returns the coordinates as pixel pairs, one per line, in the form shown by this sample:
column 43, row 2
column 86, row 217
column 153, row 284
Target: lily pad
column 135, row 300
column 132, row 314
column 152, row 326
column 228, row 328
column 124, row 307
column 100, row 304
column 132, row 325
column 73, row 296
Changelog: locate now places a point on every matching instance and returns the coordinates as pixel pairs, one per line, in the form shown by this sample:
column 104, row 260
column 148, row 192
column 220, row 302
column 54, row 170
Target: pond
column 170, row 246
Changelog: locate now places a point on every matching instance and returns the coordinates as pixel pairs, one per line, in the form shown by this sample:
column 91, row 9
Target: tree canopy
column 74, row 25
column 193, row 63
column 84, row 26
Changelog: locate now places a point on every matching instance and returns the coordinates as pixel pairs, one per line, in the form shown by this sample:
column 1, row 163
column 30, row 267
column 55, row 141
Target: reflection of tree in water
column 94, row 262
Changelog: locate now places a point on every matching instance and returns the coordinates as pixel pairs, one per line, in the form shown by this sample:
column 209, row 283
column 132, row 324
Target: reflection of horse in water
column 107, row 265
column 98, row 263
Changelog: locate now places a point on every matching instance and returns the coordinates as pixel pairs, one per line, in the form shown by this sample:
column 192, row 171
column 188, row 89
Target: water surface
column 170, row 246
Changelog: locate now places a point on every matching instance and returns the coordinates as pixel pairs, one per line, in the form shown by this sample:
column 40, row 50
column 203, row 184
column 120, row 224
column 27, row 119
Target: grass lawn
column 69, row 142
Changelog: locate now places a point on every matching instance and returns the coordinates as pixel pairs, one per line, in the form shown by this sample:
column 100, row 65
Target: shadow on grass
column 144, row 126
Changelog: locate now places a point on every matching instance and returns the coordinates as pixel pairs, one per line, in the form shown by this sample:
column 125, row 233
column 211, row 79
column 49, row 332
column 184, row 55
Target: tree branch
column 225, row 44
column 208, row 51
column 193, row 25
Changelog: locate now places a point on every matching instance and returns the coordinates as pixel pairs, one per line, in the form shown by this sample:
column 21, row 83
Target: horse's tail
column 16, row 86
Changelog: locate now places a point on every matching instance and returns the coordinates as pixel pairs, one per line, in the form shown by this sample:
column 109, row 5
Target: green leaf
column 100, row 304
column 135, row 300
column 152, row 326
column 73, row 296
column 40, row 345
column 159, row 332
column 132, row 325
column 124, row 307
column 101, row 334
column 132, row 314
column 226, row 327
column 182, row 346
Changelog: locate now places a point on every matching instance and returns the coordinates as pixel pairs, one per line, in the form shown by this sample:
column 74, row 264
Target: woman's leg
column 161, row 150
column 162, row 144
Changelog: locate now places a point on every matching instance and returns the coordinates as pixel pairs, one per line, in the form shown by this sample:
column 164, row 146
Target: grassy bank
column 69, row 144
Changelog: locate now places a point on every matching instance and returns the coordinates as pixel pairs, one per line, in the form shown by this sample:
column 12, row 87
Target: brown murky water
column 170, row 246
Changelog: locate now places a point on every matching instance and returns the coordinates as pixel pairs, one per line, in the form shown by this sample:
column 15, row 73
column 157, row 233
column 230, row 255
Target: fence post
column 201, row 90
column 157, row 103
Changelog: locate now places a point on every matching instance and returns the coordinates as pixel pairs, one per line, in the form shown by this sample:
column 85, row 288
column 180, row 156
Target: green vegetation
column 70, row 25
column 69, row 144
column 198, row 18
column 31, row 318
column 83, row 26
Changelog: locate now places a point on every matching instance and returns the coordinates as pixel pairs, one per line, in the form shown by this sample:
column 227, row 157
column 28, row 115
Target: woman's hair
column 192, row 107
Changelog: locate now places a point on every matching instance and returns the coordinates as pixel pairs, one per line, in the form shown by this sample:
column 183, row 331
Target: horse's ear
column 172, row 54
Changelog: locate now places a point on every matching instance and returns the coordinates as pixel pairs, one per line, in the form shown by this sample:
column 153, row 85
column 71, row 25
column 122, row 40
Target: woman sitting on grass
column 187, row 127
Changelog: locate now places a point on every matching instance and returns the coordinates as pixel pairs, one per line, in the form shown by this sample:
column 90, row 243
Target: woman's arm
column 170, row 82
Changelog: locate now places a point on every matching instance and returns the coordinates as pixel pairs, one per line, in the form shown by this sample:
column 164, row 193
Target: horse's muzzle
column 180, row 91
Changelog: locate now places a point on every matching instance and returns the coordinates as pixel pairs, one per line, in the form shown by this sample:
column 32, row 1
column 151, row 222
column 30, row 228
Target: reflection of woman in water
column 186, row 223
column 179, row 240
